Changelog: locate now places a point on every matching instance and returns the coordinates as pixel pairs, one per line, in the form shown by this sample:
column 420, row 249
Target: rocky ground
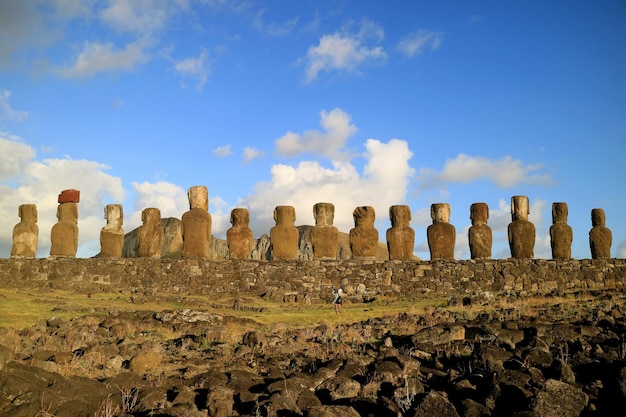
column 561, row 359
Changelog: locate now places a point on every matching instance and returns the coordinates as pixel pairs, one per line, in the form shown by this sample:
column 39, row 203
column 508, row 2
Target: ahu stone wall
column 313, row 281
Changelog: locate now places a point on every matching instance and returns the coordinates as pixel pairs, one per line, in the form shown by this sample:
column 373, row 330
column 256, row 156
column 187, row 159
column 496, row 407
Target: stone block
column 69, row 196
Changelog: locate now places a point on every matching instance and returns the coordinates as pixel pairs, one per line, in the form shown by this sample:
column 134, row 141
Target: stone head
column 324, row 214
column 440, row 212
column 114, row 214
column 198, row 196
column 28, row 212
column 520, row 207
column 364, row 216
column 67, row 212
column 479, row 213
column 400, row 215
column 285, row 215
column 151, row 216
column 598, row 218
column 239, row 217
column 559, row 212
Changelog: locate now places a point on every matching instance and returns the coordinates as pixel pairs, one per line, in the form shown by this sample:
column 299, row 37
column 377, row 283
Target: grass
column 24, row 307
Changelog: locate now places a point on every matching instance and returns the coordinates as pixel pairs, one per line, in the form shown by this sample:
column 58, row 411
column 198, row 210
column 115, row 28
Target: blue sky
column 289, row 102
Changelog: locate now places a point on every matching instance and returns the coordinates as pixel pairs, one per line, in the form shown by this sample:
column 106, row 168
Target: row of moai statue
column 284, row 236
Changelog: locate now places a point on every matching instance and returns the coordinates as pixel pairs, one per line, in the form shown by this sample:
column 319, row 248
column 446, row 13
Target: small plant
column 43, row 410
column 107, row 408
column 405, row 396
column 129, row 398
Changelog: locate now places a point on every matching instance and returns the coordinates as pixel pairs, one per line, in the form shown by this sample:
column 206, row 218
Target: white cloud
column 27, row 180
column 337, row 130
column 16, row 157
column 98, row 57
column 383, row 183
column 273, row 29
column 250, row 153
column 504, row 173
column 415, row 43
column 345, row 51
column 222, row 151
column 169, row 198
column 137, row 16
column 195, row 69
column 8, row 113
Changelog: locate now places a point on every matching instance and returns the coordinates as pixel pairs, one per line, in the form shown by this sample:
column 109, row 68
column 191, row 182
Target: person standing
column 338, row 300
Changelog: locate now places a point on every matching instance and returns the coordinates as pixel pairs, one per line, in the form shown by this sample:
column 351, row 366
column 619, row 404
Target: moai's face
column 198, row 197
column 597, row 217
column 113, row 214
column 400, row 215
column 239, row 216
column 324, row 214
column 28, row 212
column 559, row 212
column 364, row 216
column 520, row 207
column 479, row 213
column 285, row 215
column 440, row 212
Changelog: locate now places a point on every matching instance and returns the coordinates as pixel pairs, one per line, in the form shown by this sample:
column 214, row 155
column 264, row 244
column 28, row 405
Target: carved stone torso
column 441, row 234
column 239, row 237
column 64, row 234
column 150, row 235
column 324, row 236
column 26, row 233
column 364, row 236
column 479, row 234
column 196, row 231
column 522, row 239
column 400, row 237
column 112, row 235
column 284, row 236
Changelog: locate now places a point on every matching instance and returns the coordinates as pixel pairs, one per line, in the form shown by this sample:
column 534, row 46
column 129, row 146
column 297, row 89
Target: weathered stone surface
column 600, row 236
column 69, row 196
column 400, row 237
column 560, row 399
column 26, row 232
column 112, row 235
column 239, row 237
column 64, row 234
column 284, row 236
column 561, row 234
column 521, row 232
column 364, row 236
column 150, row 234
column 196, row 224
column 441, row 234
column 324, row 236
column 479, row 234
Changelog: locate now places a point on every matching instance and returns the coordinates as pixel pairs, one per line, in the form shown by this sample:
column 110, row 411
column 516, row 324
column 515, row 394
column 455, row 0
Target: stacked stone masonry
column 313, row 281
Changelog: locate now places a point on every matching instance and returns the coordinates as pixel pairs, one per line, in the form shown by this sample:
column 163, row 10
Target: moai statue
column 400, row 237
column 196, row 224
column 364, row 236
column 284, row 236
column 561, row 234
column 479, row 234
column 26, row 232
column 150, row 235
column 324, row 236
column 239, row 236
column 441, row 234
column 112, row 235
column 64, row 234
column 521, row 231
column 600, row 236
